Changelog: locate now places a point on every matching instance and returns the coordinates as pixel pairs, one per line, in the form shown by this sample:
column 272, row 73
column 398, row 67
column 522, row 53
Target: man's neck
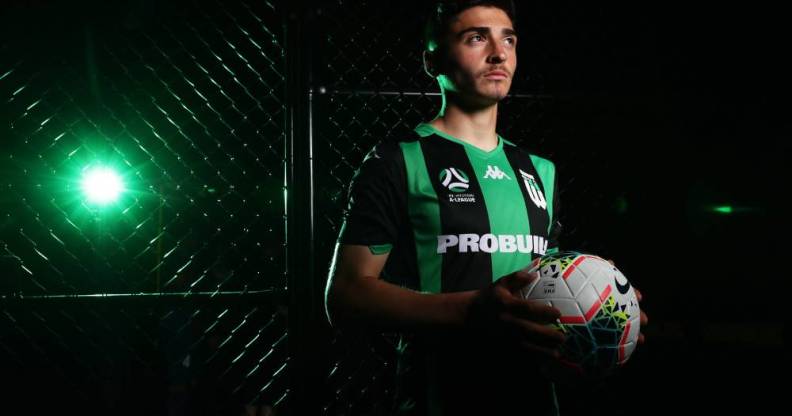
column 476, row 127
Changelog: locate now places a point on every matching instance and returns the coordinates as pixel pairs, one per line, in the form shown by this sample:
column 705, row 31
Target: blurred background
column 173, row 175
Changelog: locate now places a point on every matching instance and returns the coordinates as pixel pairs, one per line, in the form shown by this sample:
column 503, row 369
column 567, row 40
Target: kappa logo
column 454, row 179
column 534, row 192
column 494, row 172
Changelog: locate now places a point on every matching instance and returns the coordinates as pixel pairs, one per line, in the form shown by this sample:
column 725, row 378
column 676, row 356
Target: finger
column 549, row 352
column 533, row 311
column 534, row 266
column 611, row 262
column 644, row 319
column 518, row 280
column 641, row 339
column 638, row 293
column 535, row 333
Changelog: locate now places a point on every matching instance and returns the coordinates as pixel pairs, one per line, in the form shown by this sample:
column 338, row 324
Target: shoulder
column 385, row 160
column 540, row 162
column 388, row 151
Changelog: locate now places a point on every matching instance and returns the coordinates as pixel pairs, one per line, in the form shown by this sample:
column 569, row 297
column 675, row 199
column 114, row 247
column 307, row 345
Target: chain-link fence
column 171, row 297
column 177, row 296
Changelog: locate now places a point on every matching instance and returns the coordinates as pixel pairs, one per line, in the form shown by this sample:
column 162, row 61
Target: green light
column 725, row 209
column 620, row 205
column 101, row 185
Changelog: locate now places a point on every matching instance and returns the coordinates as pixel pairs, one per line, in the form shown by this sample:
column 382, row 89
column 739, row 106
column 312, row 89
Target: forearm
column 376, row 304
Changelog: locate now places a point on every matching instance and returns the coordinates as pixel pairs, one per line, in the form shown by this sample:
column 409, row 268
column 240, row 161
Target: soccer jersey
column 454, row 217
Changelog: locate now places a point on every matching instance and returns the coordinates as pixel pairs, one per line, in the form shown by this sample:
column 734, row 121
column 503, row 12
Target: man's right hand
column 501, row 311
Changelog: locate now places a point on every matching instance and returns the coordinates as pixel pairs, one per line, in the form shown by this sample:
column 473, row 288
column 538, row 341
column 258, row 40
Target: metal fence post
column 304, row 296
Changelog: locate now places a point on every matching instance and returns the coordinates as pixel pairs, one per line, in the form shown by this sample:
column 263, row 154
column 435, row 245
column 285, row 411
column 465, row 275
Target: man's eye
column 511, row 41
column 476, row 38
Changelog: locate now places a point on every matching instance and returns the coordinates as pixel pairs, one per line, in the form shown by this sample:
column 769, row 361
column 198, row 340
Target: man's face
column 481, row 43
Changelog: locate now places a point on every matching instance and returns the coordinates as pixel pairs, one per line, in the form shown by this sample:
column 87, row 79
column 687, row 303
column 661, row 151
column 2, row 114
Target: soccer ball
column 599, row 314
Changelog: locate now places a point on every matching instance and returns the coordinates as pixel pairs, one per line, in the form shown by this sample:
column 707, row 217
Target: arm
column 355, row 297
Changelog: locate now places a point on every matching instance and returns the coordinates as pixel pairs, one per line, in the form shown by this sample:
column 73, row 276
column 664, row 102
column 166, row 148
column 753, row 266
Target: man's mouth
column 496, row 75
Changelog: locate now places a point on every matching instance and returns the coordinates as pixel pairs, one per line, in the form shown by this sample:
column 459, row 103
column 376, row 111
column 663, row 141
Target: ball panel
column 570, row 311
column 626, row 351
column 548, row 287
column 589, row 302
column 573, row 276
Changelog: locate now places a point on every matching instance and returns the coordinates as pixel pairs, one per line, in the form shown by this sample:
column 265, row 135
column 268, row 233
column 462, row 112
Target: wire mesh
column 170, row 298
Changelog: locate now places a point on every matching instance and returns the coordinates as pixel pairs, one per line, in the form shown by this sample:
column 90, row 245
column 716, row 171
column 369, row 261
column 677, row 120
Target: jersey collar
column 426, row 129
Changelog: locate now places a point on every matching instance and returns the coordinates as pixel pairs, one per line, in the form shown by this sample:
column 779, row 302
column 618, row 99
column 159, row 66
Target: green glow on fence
column 101, row 185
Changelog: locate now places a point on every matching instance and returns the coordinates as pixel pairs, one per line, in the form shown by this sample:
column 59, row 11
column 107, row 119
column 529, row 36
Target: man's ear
column 429, row 63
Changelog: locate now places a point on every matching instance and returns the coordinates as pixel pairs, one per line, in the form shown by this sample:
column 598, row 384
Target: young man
column 439, row 229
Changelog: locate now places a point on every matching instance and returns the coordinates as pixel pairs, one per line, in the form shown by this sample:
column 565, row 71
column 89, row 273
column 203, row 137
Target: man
column 439, row 229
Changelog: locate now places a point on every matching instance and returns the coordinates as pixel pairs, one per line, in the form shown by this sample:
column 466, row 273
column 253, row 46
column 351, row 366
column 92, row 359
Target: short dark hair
column 445, row 11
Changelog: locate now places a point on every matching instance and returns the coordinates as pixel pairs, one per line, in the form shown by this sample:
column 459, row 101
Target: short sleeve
column 375, row 200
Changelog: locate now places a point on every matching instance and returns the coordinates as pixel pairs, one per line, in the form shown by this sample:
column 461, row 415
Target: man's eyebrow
column 484, row 29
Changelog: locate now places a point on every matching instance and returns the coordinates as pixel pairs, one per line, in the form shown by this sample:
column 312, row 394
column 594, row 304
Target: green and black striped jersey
column 454, row 217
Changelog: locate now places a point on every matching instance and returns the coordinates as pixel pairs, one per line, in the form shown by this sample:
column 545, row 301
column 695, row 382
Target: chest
column 496, row 195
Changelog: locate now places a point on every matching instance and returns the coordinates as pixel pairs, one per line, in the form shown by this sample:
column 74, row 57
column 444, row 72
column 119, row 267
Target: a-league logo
column 454, row 179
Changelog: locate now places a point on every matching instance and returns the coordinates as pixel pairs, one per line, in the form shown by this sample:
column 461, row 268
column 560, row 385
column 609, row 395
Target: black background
column 654, row 113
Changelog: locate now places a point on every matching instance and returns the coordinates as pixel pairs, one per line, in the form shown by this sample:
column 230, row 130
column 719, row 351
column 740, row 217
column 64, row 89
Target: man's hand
column 644, row 318
column 500, row 310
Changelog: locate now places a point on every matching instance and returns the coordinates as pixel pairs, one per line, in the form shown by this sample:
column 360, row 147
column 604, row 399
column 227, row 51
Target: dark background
column 654, row 114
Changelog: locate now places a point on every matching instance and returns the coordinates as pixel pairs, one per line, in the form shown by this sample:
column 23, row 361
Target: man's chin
column 490, row 98
column 482, row 98
column 495, row 93
column 496, row 96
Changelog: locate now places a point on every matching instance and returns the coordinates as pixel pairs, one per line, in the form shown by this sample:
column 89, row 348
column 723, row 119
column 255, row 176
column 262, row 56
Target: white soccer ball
column 599, row 314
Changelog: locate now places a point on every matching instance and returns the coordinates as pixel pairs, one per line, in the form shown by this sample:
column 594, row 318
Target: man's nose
column 497, row 53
